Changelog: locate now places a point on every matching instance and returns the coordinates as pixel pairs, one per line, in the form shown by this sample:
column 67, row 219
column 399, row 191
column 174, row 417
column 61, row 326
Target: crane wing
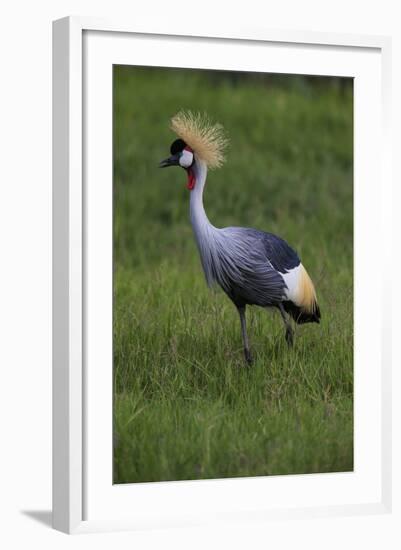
column 282, row 257
column 244, row 269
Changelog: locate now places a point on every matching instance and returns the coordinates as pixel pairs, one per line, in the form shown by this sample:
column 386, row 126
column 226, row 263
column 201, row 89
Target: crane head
column 181, row 155
column 199, row 140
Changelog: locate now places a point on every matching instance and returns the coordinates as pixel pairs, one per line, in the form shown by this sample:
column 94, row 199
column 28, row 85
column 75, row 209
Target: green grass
column 185, row 406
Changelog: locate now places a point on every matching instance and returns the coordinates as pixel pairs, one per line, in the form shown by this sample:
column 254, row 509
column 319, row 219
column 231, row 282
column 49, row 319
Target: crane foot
column 289, row 337
column 248, row 356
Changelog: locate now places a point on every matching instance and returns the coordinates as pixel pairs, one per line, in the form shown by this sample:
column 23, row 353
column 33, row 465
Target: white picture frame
column 80, row 483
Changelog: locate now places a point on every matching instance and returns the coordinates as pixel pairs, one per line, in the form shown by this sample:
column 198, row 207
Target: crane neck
column 198, row 215
column 206, row 235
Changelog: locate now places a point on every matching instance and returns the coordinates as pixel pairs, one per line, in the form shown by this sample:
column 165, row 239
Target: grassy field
column 185, row 406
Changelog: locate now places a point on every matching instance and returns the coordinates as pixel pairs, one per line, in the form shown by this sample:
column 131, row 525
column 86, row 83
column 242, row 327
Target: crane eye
column 186, row 158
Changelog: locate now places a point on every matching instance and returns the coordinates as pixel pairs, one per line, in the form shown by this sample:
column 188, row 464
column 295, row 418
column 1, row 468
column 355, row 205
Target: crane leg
column 289, row 332
column 247, row 353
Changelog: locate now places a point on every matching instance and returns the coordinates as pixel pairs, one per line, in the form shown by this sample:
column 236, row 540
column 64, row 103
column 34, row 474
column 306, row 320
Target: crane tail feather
column 305, row 308
column 301, row 316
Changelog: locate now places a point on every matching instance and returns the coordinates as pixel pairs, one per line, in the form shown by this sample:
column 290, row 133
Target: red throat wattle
column 191, row 179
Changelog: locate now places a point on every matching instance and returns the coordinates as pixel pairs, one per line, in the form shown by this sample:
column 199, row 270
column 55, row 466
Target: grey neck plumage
column 198, row 215
column 206, row 235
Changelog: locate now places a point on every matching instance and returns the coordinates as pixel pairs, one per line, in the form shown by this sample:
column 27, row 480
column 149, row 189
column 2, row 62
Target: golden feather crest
column 206, row 139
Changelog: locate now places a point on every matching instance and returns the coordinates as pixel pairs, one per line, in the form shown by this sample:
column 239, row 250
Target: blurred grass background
column 185, row 407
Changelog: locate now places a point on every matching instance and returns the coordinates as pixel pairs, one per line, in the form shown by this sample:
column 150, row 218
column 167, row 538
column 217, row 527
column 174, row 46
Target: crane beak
column 174, row 160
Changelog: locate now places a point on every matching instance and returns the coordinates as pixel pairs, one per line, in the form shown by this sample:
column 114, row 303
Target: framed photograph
column 220, row 350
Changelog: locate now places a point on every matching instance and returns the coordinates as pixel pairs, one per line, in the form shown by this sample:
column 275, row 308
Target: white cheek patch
column 186, row 158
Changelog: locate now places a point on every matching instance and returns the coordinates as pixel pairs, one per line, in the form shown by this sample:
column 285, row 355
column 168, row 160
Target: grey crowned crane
column 251, row 266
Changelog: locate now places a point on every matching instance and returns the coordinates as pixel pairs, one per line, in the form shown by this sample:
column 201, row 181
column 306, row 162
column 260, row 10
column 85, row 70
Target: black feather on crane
column 251, row 266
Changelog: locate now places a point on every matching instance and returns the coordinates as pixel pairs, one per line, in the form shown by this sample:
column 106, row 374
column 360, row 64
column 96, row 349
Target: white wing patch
column 300, row 289
column 292, row 280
